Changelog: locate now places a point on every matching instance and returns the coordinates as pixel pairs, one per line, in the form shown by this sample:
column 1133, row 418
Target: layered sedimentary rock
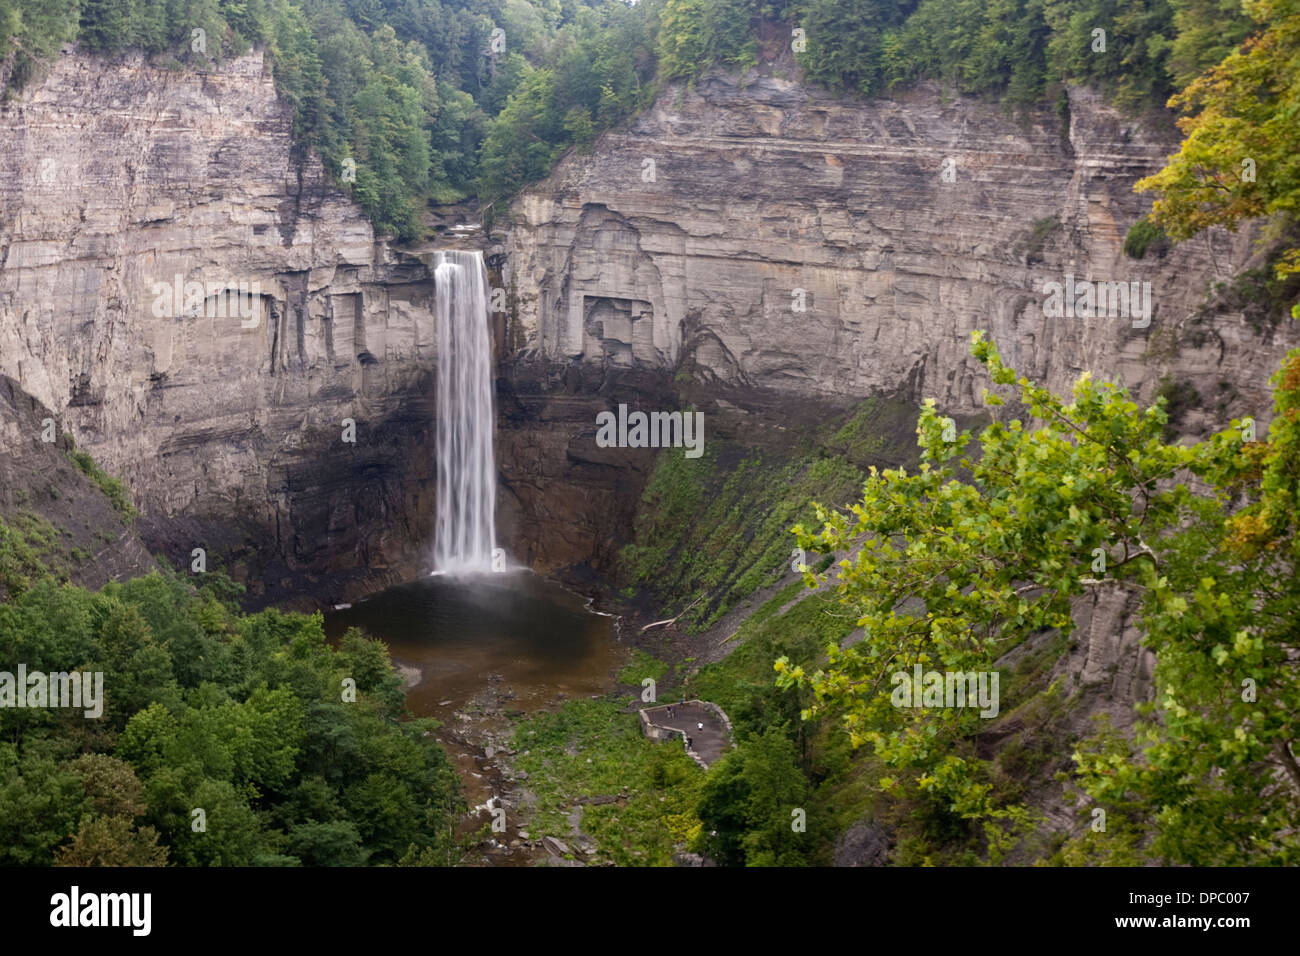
column 757, row 238
column 563, row 501
column 140, row 211
column 768, row 248
column 773, row 245
column 760, row 238
column 777, row 236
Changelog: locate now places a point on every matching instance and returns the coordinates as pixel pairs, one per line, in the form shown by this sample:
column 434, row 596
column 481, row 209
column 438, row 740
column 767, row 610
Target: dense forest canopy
column 227, row 739
column 411, row 101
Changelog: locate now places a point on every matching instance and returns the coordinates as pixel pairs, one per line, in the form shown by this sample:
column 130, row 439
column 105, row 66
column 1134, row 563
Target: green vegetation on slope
column 60, row 516
column 641, row 666
column 595, row 748
column 971, row 564
column 740, row 503
column 29, row 548
column 112, row 488
column 1021, row 50
column 783, row 762
column 665, row 804
column 953, row 573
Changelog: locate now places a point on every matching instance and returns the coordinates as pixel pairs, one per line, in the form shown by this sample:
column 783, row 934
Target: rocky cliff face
column 770, row 245
column 774, row 246
column 781, row 249
column 775, row 236
column 140, row 209
column 761, row 250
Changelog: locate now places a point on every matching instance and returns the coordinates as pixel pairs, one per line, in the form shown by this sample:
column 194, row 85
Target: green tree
column 695, row 34
column 845, row 41
column 137, row 670
column 104, row 24
column 950, row 574
column 1205, row 32
column 40, row 804
column 750, row 803
column 232, row 833
column 1238, row 159
column 147, row 737
column 327, row 843
column 1212, row 774
column 1128, row 59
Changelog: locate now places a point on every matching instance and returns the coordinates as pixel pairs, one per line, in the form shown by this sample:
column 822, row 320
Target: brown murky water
column 477, row 651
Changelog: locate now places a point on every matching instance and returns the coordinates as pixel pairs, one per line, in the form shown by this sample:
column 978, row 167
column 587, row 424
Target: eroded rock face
column 70, row 524
column 115, row 179
column 562, row 500
column 783, row 238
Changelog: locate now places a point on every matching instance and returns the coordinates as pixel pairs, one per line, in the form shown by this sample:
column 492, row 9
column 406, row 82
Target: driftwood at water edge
column 672, row 620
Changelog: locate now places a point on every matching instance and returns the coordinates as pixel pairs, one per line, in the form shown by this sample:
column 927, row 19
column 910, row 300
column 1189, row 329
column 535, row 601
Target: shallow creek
column 476, row 652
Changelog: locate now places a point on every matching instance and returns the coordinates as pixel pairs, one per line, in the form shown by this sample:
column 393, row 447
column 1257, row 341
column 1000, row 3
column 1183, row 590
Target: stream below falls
column 477, row 651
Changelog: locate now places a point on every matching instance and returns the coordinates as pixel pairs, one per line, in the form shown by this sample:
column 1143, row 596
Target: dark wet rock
column 863, row 844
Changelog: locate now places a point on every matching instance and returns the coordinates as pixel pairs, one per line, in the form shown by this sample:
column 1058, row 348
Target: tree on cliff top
column 1239, row 160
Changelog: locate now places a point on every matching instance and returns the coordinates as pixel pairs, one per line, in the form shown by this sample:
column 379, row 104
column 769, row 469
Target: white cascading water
column 466, row 530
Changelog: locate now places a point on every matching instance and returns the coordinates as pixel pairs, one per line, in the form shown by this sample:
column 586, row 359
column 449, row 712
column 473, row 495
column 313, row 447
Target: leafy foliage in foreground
column 950, row 574
column 205, row 708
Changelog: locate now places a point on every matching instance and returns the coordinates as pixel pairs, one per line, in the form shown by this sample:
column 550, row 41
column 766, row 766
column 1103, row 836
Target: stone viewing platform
column 707, row 745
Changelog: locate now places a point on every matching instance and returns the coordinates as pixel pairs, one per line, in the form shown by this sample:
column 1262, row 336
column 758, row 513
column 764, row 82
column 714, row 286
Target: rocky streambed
column 477, row 655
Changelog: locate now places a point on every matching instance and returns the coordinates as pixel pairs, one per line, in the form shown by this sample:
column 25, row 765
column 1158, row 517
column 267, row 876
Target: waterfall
column 466, row 528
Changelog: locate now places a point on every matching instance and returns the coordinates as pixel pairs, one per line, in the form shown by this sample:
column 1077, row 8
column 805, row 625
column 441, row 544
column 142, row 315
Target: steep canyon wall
column 687, row 237
column 660, row 266
column 116, row 176
column 772, row 246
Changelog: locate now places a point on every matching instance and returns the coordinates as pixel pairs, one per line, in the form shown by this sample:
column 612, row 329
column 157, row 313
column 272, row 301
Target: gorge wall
column 656, row 269
column 682, row 241
column 114, row 176
column 675, row 248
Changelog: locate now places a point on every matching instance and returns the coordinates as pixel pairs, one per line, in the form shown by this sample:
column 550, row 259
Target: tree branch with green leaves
column 994, row 537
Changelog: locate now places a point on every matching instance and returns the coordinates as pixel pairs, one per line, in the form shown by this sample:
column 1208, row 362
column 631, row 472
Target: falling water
column 466, row 531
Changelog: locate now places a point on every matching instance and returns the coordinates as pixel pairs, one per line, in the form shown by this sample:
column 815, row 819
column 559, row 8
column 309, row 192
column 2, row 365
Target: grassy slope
column 714, row 531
